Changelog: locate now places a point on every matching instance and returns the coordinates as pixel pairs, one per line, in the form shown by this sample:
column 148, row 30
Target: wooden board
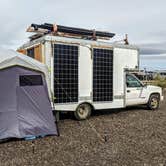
column 38, row 52
column 23, row 51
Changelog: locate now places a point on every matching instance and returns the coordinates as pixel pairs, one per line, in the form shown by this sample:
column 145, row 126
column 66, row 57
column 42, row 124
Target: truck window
column 132, row 82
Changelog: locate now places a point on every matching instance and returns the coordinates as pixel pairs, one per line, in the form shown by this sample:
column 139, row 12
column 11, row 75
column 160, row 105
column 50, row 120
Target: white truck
column 87, row 74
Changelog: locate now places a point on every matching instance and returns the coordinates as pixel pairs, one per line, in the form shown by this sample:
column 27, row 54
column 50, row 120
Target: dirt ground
column 132, row 136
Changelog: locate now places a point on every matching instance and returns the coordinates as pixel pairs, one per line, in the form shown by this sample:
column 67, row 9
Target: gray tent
column 25, row 108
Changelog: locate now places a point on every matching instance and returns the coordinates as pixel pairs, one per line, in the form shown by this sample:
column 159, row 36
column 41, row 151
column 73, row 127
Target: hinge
column 91, row 50
column 91, row 94
column 52, row 49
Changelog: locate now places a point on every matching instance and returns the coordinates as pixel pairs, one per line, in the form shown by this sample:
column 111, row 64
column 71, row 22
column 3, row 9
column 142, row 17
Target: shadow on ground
column 70, row 115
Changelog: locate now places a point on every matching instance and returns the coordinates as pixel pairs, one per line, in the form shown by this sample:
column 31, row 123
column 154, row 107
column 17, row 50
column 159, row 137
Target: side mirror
column 127, row 84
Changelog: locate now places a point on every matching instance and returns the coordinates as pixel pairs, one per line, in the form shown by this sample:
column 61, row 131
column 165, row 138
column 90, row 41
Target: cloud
column 152, row 51
column 153, row 48
column 153, row 57
column 142, row 20
column 161, row 44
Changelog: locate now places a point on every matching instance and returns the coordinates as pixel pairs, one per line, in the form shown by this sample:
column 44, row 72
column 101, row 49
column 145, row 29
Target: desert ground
column 131, row 136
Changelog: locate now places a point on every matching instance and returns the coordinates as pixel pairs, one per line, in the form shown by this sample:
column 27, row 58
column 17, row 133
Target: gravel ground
column 132, row 136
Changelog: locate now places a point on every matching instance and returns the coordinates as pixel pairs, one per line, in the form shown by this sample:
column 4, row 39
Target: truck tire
column 83, row 111
column 154, row 102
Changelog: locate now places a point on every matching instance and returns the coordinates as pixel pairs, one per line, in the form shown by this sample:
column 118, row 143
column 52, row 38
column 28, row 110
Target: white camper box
column 93, row 71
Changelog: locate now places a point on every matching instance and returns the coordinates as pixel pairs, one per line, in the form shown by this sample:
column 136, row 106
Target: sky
column 143, row 21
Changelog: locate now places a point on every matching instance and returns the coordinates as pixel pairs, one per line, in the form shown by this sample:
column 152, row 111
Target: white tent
column 10, row 58
column 25, row 108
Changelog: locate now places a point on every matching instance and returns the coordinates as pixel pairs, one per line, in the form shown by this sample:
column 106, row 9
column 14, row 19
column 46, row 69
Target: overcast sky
column 144, row 22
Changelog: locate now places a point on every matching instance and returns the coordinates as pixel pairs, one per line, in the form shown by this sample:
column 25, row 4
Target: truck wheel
column 154, row 102
column 83, row 111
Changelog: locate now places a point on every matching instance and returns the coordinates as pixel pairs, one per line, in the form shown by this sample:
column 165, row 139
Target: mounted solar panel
column 102, row 75
column 65, row 73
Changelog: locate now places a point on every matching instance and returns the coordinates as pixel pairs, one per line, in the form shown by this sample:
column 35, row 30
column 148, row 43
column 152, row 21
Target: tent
column 25, row 108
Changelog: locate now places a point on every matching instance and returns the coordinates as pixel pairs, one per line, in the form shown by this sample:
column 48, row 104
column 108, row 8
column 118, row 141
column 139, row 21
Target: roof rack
column 59, row 30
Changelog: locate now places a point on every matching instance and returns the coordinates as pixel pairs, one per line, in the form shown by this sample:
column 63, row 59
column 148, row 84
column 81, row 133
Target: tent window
column 31, row 80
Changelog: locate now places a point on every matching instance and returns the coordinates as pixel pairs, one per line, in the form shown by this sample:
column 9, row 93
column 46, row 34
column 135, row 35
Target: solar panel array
column 65, row 73
column 102, row 75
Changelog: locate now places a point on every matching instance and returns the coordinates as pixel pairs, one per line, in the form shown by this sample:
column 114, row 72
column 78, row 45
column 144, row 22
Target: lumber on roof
column 64, row 30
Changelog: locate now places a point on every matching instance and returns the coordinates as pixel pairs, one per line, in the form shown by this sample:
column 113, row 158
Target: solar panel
column 65, row 73
column 102, row 75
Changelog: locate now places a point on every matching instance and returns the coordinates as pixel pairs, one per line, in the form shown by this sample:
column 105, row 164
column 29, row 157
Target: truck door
column 134, row 89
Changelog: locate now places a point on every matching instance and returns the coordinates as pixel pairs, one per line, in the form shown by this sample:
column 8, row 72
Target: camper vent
column 102, row 75
column 65, row 73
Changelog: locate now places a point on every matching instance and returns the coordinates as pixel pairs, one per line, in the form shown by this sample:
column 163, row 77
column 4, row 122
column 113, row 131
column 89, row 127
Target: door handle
column 128, row 91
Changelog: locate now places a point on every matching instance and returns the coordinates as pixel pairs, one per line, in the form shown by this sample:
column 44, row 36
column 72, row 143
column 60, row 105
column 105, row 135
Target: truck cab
column 137, row 93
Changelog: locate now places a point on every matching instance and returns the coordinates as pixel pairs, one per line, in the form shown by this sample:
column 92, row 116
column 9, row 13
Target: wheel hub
column 154, row 103
column 83, row 111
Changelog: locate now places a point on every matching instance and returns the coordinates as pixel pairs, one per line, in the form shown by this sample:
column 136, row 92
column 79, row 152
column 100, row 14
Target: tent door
column 33, row 104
